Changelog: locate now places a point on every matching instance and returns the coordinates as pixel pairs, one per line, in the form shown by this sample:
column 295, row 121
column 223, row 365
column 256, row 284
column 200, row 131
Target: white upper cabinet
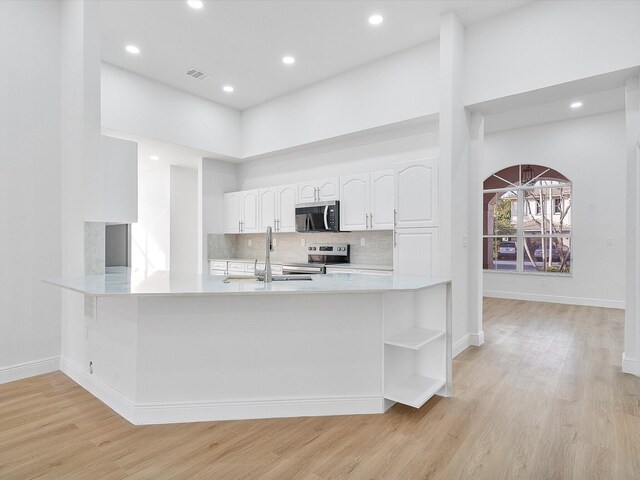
column 308, row 192
column 232, row 217
column 268, row 208
column 417, row 194
column 249, row 211
column 287, row 197
column 319, row 190
column 354, row 203
column 241, row 212
column 366, row 201
column 278, row 208
column 329, row 189
column 381, row 195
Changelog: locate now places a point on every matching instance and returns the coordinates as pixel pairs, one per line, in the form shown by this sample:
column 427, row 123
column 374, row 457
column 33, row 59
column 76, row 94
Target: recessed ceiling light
column 132, row 49
column 228, row 88
column 288, row 60
column 197, row 4
column 375, row 19
column 154, row 157
column 576, row 105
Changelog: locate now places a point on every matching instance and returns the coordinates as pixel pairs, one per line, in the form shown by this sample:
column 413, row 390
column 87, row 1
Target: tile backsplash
column 378, row 249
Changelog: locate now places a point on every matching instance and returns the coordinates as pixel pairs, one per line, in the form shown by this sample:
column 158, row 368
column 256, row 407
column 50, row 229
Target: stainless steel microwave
column 318, row 217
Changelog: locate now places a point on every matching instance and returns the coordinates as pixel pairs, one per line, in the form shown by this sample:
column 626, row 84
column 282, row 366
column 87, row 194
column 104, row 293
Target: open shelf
column 414, row 338
column 414, row 391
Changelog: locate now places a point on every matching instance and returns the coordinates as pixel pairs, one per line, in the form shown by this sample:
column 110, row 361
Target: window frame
column 520, row 234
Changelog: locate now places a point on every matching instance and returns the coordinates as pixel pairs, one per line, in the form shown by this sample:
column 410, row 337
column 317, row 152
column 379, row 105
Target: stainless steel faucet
column 266, row 274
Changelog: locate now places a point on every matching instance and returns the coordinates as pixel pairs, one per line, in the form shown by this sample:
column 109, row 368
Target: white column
column 630, row 362
column 455, row 259
column 474, row 187
column 80, row 151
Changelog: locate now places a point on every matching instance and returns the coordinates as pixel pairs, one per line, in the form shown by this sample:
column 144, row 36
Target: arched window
column 527, row 221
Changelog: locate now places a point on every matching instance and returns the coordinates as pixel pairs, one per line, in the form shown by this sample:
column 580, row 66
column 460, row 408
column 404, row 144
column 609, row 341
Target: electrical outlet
column 543, row 282
column 303, row 242
column 363, row 242
column 249, row 243
column 465, row 241
column 609, row 242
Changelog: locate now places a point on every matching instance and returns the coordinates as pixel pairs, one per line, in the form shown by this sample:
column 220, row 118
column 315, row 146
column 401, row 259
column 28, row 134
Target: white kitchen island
column 175, row 348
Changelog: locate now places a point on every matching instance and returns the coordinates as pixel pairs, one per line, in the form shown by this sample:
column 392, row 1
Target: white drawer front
column 217, row 265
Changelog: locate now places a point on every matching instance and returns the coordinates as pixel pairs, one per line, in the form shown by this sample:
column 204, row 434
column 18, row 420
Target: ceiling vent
column 192, row 72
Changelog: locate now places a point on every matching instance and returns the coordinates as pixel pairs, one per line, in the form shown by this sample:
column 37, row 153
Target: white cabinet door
column 416, row 252
column 287, row 197
column 232, row 212
column 381, row 200
column 268, row 199
column 417, row 194
column 328, row 189
column 249, row 211
column 319, row 190
column 307, row 192
column 354, row 204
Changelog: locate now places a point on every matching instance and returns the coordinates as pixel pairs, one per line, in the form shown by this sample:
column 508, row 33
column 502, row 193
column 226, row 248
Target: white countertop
column 163, row 283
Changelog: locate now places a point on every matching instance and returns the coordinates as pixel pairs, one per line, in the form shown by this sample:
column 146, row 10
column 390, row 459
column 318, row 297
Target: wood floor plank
column 544, row 397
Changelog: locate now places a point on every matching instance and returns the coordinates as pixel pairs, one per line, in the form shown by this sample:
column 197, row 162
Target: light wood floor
column 544, row 398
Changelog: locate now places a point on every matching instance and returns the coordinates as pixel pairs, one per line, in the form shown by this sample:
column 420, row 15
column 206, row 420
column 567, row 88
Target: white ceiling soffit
column 241, row 43
column 558, row 110
column 166, row 153
column 598, row 94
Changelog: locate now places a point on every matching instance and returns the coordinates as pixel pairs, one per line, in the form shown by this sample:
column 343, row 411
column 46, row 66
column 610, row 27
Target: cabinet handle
column 315, row 194
column 395, row 238
column 395, row 218
column 366, row 221
column 278, row 229
column 371, row 221
column 239, row 227
column 275, row 224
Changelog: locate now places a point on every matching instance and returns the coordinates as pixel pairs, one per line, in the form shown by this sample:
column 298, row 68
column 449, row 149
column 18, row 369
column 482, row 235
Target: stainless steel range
column 319, row 256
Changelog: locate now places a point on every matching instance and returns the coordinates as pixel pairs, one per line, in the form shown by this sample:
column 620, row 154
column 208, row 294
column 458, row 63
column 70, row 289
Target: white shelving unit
column 414, row 338
column 417, row 346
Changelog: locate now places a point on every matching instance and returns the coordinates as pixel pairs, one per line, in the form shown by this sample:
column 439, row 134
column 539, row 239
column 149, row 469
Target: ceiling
column 241, row 43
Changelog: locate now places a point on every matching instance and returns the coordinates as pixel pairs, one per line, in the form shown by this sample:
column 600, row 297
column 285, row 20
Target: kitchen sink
column 275, row 278
column 290, row 278
column 239, row 278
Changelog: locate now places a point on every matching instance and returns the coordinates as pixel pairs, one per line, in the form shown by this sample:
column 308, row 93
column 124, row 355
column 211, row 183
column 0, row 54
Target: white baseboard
column 246, row 410
column 629, row 365
column 470, row 339
column 103, row 392
column 159, row 413
column 29, row 369
column 534, row 297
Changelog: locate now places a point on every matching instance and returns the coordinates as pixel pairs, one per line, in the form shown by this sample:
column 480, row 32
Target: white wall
column 215, row 178
column 397, row 88
column 141, row 106
column 183, row 219
column 30, row 241
column 547, row 43
column 590, row 151
column 150, row 235
column 356, row 155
